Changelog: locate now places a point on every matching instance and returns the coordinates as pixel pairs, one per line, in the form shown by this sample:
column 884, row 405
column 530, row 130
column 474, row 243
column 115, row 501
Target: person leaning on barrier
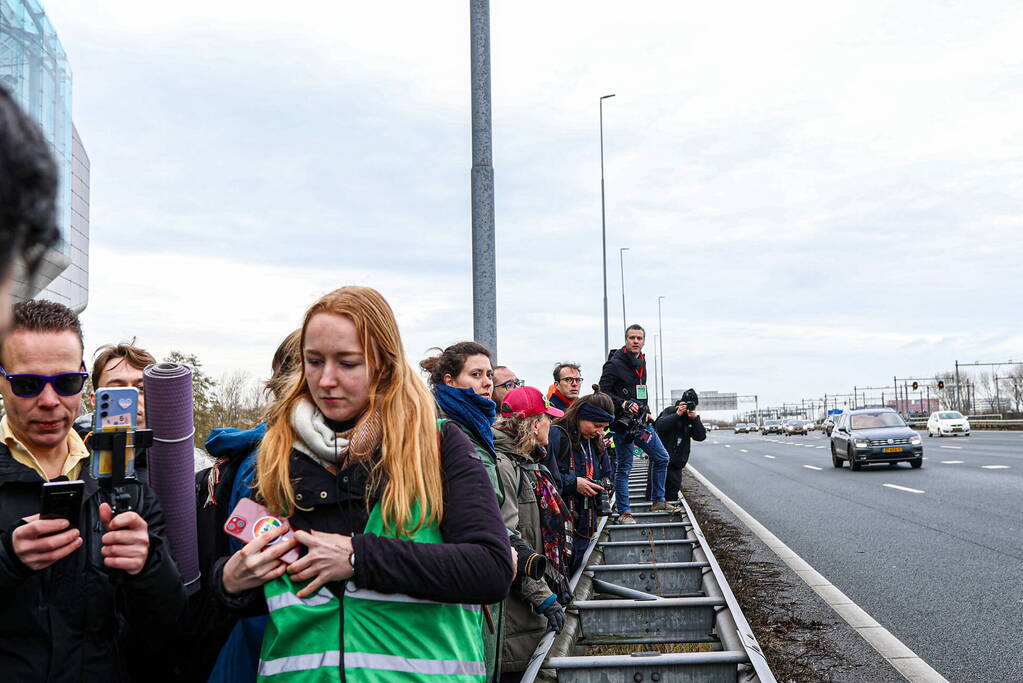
column 28, row 194
column 624, row 378
column 69, row 597
column 678, row 426
column 581, row 451
column 401, row 535
column 532, row 508
column 568, row 383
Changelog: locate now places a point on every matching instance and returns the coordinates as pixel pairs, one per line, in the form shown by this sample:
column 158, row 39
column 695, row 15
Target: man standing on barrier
column 568, row 382
column 678, row 426
column 624, row 378
column 76, row 582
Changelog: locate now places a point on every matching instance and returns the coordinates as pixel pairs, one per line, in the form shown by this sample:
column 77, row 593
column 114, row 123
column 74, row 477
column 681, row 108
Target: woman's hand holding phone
column 256, row 563
column 327, row 560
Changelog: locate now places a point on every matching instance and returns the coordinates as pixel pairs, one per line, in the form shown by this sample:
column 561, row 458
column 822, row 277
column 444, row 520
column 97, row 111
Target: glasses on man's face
column 29, row 385
column 572, row 380
column 512, row 384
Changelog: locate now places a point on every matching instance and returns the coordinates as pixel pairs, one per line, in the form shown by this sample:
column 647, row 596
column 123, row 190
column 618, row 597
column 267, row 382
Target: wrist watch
column 351, row 559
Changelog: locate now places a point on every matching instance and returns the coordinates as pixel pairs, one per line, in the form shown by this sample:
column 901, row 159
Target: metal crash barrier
column 650, row 604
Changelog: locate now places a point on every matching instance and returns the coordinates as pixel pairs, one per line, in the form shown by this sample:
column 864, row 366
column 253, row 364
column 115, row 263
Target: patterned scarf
column 334, row 450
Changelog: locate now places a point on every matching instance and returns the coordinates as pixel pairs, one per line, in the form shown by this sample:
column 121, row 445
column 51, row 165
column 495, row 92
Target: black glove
column 555, row 617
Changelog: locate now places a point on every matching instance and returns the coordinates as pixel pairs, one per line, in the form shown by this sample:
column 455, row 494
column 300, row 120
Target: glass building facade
column 34, row 68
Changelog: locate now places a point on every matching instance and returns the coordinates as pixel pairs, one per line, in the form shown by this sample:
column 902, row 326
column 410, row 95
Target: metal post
column 661, row 330
column 657, row 391
column 895, row 383
column 603, row 224
column 959, row 398
column 484, row 273
column 621, row 263
column 998, row 401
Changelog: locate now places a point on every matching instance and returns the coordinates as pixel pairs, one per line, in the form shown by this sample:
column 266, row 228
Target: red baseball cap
column 527, row 402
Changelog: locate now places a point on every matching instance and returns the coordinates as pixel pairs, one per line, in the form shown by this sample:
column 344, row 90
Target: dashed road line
column 903, row 488
column 958, row 448
column 812, row 467
column 952, row 462
column 743, row 450
column 895, row 652
column 820, row 446
column 728, row 445
column 995, row 467
column 771, row 457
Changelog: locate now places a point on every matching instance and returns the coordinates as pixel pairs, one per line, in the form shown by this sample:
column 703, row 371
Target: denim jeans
column 658, row 467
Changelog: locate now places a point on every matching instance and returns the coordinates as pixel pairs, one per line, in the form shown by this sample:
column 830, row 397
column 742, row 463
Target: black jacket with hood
column 69, row 621
column 621, row 374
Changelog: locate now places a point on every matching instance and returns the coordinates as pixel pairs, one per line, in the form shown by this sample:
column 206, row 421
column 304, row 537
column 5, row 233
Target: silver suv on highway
column 865, row 437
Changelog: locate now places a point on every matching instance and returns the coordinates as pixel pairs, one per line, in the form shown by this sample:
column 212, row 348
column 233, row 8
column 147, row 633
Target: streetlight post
column 484, row 273
column 603, row 222
column 657, row 391
column 660, row 331
column 621, row 264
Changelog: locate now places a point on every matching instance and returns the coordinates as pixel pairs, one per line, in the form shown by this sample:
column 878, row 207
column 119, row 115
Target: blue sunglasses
column 28, row 385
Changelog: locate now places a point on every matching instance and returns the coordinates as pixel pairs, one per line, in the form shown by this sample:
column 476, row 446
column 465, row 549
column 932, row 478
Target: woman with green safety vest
column 400, row 535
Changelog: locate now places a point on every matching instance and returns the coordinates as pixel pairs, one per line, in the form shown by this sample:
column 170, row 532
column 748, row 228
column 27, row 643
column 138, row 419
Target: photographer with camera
column 578, row 440
column 678, row 426
column 624, row 379
column 534, row 510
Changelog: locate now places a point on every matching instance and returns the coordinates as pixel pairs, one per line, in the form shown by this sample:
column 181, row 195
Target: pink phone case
column 250, row 519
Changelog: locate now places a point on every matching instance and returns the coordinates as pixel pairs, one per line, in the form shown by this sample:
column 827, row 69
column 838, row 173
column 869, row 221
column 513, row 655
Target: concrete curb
column 894, row 651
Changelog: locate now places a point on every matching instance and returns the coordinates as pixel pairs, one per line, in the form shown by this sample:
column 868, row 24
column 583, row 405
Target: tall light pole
column 657, row 391
column 621, row 264
column 484, row 272
column 660, row 332
column 603, row 222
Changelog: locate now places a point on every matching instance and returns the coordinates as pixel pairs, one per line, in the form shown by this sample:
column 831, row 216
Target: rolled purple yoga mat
column 168, row 388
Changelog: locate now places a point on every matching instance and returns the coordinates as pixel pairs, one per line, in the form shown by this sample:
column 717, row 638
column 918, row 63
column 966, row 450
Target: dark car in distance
column 866, row 437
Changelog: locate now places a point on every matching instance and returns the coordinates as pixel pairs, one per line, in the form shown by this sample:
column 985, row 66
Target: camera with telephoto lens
column 530, row 563
column 602, row 501
column 631, row 426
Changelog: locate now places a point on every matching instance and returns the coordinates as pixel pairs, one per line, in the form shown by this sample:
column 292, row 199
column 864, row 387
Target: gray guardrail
column 654, row 587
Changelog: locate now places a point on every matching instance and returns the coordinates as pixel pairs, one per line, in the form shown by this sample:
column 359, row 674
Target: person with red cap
column 534, row 509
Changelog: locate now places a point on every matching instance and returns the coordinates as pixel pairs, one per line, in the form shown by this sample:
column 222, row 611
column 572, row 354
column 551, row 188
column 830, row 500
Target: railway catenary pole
column 484, row 272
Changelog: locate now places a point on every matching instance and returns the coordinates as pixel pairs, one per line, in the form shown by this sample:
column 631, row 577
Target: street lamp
column 621, row 264
column 603, row 222
column 660, row 332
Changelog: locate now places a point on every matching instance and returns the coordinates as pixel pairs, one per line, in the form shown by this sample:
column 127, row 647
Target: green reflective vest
column 383, row 638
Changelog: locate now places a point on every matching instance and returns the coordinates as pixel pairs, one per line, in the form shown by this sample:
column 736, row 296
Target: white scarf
column 315, row 438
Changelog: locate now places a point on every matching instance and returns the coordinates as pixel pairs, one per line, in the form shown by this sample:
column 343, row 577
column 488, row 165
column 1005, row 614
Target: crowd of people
column 426, row 527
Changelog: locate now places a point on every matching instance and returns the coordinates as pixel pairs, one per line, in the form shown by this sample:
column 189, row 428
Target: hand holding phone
column 40, row 542
column 269, row 547
column 250, row 520
column 62, row 500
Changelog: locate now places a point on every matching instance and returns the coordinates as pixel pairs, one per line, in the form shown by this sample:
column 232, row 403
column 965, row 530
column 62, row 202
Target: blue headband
column 590, row 412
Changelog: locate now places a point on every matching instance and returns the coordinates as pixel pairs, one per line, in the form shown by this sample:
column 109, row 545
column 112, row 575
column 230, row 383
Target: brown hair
column 451, row 360
column 45, row 316
column 565, row 364
column 408, row 470
column 285, row 364
column 127, row 352
column 570, row 421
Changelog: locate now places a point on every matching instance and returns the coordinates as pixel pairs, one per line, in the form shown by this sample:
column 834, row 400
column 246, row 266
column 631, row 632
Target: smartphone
column 62, row 500
column 116, row 410
column 249, row 519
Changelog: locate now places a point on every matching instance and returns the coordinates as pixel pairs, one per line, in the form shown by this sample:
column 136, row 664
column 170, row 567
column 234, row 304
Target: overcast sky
column 827, row 194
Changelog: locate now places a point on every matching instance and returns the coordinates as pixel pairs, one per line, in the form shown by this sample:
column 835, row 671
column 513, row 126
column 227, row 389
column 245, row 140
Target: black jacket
column 677, row 432
column 621, row 374
column 473, row 564
column 69, row 622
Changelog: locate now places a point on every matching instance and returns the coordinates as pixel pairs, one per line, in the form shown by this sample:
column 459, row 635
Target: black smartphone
column 62, row 500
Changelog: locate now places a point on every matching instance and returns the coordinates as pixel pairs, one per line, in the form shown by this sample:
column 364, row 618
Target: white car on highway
column 948, row 423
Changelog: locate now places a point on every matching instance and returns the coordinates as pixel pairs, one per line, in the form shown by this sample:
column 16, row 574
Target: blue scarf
column 470, row 410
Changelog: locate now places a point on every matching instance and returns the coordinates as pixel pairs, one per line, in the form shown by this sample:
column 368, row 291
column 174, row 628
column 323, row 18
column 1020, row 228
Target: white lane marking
column 715, row 443
column 771, row 457
column 995, row 467
column 820, row 446
column 958, row 448
column 743, row 450
column 812, row 467
column 902, row 488
column 905, row 661
column 952, row 462
column 728, row 445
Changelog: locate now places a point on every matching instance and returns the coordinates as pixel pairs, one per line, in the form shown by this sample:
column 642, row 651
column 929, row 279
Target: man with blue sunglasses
column 69, row 595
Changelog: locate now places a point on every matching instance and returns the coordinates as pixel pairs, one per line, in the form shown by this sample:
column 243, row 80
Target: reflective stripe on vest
column 387, row 638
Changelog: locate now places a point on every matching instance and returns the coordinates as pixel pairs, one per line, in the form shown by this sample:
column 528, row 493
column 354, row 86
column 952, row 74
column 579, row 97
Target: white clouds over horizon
column 828, row 194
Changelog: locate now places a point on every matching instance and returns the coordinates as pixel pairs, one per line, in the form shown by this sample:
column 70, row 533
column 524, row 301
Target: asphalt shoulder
column 804, row 639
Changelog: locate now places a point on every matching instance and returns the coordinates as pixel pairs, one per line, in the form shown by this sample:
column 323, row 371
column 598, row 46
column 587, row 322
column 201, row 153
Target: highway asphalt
column 935, row 554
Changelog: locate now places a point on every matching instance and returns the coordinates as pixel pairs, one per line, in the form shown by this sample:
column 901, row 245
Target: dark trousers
column 677, row 460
